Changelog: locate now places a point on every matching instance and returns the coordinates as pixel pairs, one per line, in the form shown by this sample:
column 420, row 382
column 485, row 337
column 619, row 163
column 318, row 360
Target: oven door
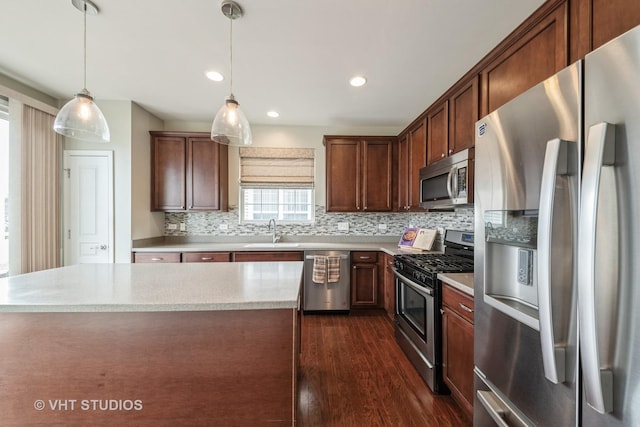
column 415, row 315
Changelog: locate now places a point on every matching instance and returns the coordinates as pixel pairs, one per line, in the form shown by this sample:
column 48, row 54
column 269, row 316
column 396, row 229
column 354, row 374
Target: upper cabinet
column 451, row 122
column 359, row 173
column 412, row 156
column 437, row 132
column 189, row 172
column 595, row 22
column 530, row 55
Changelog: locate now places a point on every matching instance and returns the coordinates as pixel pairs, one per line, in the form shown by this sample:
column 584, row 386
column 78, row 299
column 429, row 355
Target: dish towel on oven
column 319, row 269
column 333, row 269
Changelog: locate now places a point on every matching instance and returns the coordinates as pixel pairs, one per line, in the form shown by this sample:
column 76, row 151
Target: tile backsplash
column 326, row 223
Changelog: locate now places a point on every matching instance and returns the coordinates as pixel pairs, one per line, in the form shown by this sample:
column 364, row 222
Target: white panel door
column 88, row 228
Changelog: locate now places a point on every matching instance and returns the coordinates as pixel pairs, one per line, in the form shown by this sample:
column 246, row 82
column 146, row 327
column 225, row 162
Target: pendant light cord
column 85, row 45
column 231, row 56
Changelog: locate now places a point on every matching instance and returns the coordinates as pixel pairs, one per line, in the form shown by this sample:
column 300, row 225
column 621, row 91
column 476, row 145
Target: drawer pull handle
column 365, row 257
column 157, row 259
column 206, row 258
column 465, row 308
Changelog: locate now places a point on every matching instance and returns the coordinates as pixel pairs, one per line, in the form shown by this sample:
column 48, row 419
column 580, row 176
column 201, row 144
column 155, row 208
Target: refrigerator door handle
column 599, row 152
column 559, row 159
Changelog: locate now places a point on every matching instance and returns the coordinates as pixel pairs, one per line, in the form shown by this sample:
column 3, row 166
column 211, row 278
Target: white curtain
column 40, row 201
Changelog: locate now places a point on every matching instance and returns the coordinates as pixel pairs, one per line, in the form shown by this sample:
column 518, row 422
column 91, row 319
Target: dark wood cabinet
column 359, row 173
column 595, row 22
column 463, row 115
column 156, row 257
column 265, row 256
column 540, row 51
column 457, row 345
column 389, row 286
column 412, row 156
column 189, row 172
column 364, row 279
column 206, row 256
column 437, row 132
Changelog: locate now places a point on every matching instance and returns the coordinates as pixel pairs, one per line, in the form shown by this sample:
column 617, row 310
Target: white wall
column 144, row 223
column 284, row 136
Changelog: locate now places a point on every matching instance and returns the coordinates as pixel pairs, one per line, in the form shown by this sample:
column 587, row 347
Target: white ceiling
column 295, row 56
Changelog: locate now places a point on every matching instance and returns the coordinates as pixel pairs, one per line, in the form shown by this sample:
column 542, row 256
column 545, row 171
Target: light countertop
column 154, row 287
column 461, row 281
column 389, row 246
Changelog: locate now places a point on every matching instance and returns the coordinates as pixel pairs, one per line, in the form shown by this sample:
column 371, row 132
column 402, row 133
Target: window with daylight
column 276, row 183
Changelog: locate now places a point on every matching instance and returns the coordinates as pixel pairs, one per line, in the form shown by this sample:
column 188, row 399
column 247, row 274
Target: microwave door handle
column 599, row 152
column 449, row 182
column 560, row 159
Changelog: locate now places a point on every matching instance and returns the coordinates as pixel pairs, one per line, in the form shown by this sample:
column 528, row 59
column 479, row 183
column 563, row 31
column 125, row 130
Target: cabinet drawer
column 458, row 302
column 157, row 257
column 206, row 256
column 364, row 256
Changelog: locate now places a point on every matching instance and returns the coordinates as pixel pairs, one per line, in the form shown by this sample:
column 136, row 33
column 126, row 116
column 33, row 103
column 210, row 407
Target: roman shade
column 277, row 167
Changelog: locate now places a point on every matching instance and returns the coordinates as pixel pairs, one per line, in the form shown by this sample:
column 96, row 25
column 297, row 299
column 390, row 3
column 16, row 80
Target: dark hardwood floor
column 352, row 373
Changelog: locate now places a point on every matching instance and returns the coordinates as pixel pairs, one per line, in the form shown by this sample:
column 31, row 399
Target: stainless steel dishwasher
column 330, row 291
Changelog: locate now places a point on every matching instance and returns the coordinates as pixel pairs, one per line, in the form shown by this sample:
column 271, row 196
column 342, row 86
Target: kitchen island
column 139, row 344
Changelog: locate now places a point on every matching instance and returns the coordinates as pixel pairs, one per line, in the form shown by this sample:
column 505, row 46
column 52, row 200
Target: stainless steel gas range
column 419, row 300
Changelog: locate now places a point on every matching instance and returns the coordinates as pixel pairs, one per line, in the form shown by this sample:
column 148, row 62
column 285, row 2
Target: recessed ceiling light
column 273, row 114
column 215, row 76
column 358, row 81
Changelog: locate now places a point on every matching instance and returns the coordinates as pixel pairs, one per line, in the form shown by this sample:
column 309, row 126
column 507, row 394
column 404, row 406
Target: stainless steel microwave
column 444, row 184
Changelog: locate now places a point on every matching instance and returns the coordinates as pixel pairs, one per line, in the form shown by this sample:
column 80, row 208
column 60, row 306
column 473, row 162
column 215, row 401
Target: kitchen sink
column 272, row 245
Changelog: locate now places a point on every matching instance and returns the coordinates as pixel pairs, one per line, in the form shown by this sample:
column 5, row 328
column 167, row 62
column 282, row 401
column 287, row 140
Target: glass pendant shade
column 230, row 126
column 81, row 118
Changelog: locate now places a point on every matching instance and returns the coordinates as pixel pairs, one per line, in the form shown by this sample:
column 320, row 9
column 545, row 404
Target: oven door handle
column 425, row 292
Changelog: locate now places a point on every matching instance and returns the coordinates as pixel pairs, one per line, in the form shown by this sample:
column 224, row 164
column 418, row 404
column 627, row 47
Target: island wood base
column 231, row 368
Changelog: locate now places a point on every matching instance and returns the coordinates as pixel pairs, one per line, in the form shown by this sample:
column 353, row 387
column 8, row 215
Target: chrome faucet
column 274, row 232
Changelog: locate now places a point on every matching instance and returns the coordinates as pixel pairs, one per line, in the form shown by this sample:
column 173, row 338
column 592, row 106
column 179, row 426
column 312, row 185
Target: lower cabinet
column 364, row 279
column 268, row 256
column 389, row 286
column 206, row 256
column 457, row 345
column 157, row 257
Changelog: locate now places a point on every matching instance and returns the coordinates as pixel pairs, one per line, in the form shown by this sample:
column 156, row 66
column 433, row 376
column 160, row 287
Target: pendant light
column 230, row 126
column 81, row 118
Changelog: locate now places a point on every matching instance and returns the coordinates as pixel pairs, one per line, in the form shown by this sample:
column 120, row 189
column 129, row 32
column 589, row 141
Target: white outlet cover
column 224, row 226
column 183, row 226
column 172, row 226
column 382, row 227
column 343, row 226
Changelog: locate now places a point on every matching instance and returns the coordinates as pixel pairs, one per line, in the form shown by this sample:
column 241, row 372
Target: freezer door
column 609, row 278
column 526, row 213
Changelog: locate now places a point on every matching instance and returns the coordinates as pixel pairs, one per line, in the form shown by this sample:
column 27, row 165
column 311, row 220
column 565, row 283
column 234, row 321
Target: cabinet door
column 595, row 22
column 463, row 115
column 417, row 152
column 536, row 55
column 207, row 175
column 389, row 287
column 457, row 356
column 438, row 132
column 364, row 285
column 402, row 171
column 377, row 159
column 168, row 164
column 343, row 175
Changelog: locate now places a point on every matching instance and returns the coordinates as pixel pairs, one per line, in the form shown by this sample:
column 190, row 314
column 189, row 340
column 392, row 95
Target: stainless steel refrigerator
column 557, row 265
